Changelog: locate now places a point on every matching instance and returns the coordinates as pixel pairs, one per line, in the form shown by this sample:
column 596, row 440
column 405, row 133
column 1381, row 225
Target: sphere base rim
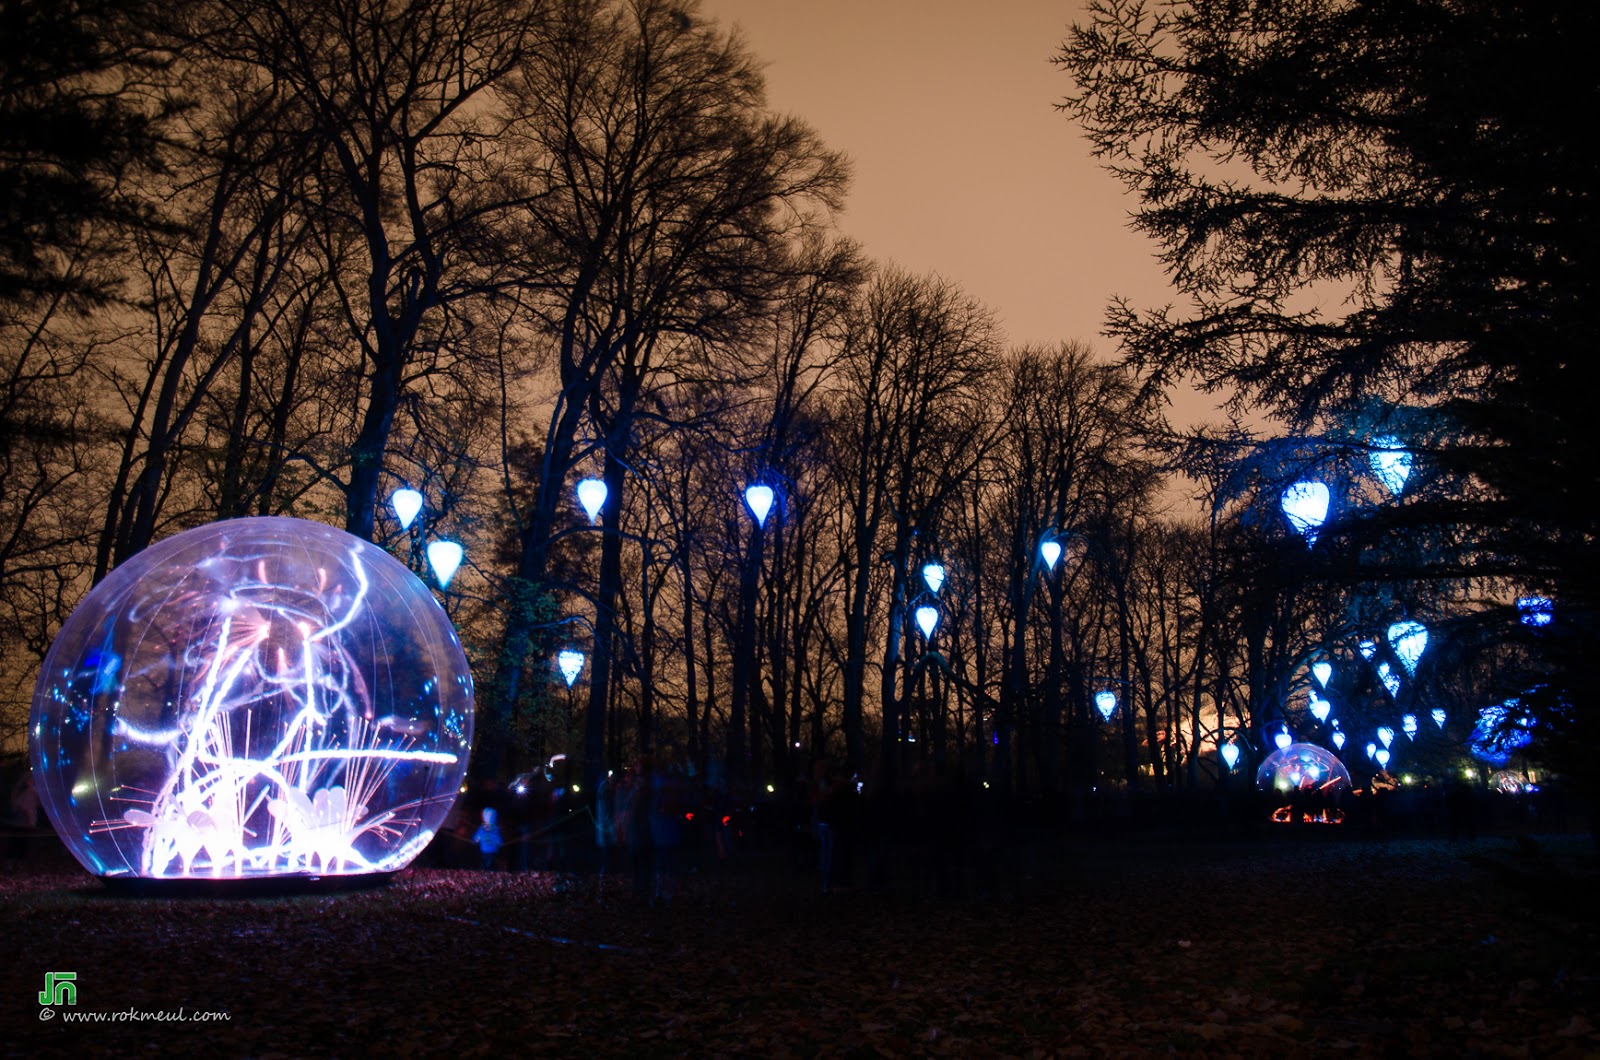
column 285, row 885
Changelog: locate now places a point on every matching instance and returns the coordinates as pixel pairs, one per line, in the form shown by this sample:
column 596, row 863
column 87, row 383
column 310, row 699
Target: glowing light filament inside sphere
column 1302, row 767
column 256, row 697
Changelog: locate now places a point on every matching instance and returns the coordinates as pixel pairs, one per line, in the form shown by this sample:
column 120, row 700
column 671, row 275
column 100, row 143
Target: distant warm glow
column 1051, row 551
column 1306, row 505
column 1106, row 703
column 927, row 619
column 406, row 503
column 445, row 558
column 255, row 697
column 1391, row 462
column 759, row 498
column 933, row 575
column 1408, row 639
column 1323, row 672
column 571, row 662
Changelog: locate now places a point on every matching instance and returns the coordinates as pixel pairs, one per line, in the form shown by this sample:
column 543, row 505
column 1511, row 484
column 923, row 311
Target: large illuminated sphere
column 254, row 698
column 1305, row 767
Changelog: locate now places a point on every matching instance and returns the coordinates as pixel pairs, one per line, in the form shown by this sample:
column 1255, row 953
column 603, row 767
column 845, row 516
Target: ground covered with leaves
column 1282, row 947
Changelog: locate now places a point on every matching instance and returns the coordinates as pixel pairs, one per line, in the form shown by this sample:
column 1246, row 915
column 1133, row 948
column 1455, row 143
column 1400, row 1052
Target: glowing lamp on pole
column 759, row 498
column 927, row 618
column 933, row 575
column 1230, row 754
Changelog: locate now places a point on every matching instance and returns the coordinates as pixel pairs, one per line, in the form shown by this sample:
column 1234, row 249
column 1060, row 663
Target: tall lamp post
column 758, row 499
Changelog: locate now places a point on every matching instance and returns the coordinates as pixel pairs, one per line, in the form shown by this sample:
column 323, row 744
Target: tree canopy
column 1381, row 215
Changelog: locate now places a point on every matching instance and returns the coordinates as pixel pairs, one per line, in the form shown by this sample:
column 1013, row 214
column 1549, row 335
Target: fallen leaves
column 1291, row 950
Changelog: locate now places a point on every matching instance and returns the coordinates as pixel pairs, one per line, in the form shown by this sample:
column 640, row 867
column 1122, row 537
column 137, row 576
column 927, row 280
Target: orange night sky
column 961, row 164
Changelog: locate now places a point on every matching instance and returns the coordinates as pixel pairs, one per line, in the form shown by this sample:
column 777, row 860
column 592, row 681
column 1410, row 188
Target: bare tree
column 911, row 420
column 668, row 197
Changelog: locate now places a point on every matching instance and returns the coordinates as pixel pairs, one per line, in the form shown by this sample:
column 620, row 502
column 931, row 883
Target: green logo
column 60, row 988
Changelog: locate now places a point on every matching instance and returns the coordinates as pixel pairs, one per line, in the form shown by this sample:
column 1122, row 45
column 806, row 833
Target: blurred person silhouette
column 487, row 837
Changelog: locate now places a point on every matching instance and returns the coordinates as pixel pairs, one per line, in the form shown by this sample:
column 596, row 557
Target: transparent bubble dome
column 253, row 698
column 1302, row 767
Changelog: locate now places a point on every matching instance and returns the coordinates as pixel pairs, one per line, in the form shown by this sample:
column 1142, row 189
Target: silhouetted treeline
column 303, row 253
